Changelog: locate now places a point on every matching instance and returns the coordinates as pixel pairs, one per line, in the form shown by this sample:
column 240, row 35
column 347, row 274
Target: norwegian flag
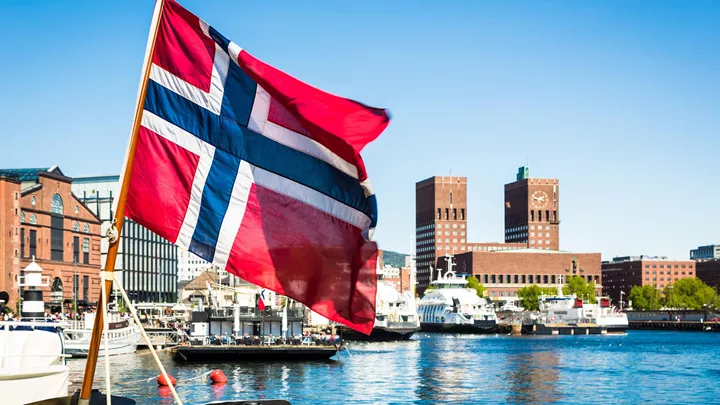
column 261, row 300
column 257, row 172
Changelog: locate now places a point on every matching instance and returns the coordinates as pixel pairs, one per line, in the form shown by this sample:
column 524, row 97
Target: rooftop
column 30, row 174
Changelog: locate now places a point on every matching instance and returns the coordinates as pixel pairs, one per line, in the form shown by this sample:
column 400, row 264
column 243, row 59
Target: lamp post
column 621, row 299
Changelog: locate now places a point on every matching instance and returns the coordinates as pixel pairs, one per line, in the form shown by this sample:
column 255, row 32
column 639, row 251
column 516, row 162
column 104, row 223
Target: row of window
column 540, row 217
column 33, row 221
column 669, row 266
column 529, row 279
column 539, row 242
column 454, row 214
column 447, row 233
column 669, row 273
column 424, row 228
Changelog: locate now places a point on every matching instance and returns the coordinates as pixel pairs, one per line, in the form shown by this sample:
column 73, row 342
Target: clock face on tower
column 539, row 199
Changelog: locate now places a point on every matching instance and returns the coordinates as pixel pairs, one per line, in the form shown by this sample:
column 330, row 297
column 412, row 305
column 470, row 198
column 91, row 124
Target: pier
column 676, row 325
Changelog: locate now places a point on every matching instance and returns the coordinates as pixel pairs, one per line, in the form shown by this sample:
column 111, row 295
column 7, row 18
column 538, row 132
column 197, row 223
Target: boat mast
column 116, row 227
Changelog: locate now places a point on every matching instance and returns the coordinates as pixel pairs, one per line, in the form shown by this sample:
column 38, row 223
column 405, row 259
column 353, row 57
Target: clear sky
column 619, row 100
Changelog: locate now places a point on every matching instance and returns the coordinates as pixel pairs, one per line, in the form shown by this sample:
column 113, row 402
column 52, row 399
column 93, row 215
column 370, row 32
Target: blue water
column 638, row 367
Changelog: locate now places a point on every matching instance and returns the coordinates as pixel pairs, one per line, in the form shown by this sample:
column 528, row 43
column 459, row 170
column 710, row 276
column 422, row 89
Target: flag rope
column 133, row 312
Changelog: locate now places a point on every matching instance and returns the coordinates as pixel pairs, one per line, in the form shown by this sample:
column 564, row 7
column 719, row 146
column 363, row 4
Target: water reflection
column 533, row 377
column 642, row 367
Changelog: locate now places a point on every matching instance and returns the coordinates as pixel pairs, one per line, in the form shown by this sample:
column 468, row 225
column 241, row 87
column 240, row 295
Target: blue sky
column 619, row 100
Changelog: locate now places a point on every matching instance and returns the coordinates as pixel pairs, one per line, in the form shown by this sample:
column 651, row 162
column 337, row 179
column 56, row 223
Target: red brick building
column 532, row 211
column 41, row 218
column 441, row 222
column 709, row 272
column 622, row 273
column 503, row 273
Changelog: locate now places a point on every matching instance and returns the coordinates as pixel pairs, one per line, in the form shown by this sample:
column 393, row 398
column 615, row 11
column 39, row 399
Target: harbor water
column 637, row 367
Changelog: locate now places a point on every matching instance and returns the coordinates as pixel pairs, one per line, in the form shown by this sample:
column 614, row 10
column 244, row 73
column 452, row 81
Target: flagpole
column 94, row 348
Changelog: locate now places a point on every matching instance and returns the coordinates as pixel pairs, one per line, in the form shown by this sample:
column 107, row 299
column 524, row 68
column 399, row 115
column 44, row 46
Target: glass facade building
column 147, row 264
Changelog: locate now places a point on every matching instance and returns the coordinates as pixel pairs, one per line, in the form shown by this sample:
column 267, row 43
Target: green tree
column 690, row 293
column 529, row 296
column 578, row 286
column 646, row 297
column 473, row 282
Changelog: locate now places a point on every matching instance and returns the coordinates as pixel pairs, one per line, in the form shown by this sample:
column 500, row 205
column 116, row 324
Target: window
column 76, row 227
column 554, row 216
column 77, row 210
column 462, row 226
column 56, row 238
column 532, row 241
column 451, row 197
column 33, row 243
column 32, row 201
column 22, row 217
column 438, row 213
column 539, row 215
column 56, row 205
column 515, row 279
column 22, row 242
column 547, row 234
column 447, row 213
column 545, row 279
column 462, row 213
column 447, row 226
column 33, row 220
column 76, row 249
column 524, row 279
column 16, row 196
column 532, row 227
column 492, row 279
column 662, row 266
column 552, row 279
column 86, row 287
column 86, row 228
column 86, row 250
column 454, row 226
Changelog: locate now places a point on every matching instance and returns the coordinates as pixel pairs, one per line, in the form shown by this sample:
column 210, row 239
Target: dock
column 230, row 353
column 692, row 326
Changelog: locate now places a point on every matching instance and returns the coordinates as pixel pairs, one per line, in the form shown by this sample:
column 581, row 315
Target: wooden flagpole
column 92, row 358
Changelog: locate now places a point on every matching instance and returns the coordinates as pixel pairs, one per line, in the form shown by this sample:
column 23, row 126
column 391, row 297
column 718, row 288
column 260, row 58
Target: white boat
column 124, row 336
column 449, row 306
column 562, row 313
column 396, row 316
column 32, row 357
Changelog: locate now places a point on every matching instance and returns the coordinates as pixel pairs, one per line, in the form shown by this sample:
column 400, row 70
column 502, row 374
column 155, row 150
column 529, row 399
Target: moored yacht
column 449, row 306
column 123, row 335
column 32, row 351
column 571, row 314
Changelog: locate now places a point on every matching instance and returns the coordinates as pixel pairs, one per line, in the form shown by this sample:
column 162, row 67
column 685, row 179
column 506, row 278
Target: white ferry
column 123, row 336
column 562, row 314
column 396, row 316
column 451, row 307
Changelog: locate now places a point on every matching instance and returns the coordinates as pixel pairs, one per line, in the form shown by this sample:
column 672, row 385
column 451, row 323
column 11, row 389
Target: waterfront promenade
column 637, row 367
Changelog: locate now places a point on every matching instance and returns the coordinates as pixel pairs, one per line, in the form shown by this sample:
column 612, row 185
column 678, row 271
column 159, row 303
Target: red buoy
column 161, row 380
column 217, row 376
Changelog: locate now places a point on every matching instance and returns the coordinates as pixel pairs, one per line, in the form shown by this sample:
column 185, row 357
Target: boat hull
column 378, row 334
column 22, row 386
column 479, row 327
column 552, row 329
column 233, row 353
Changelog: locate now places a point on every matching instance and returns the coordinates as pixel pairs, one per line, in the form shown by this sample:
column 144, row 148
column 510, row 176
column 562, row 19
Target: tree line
column 686, row 293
